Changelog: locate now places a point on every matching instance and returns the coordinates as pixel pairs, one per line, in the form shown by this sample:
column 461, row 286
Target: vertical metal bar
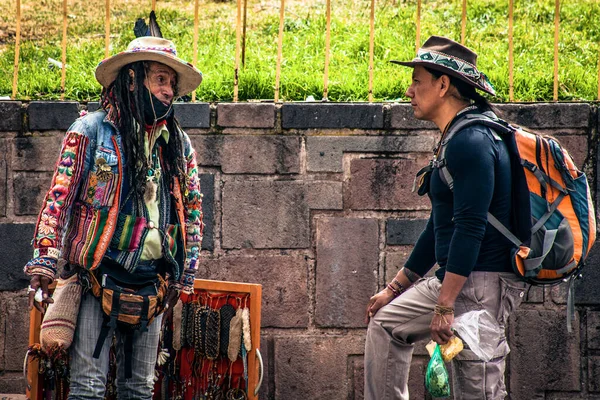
column 371, row 49
column 556, row 35
column 244, row 33
column 511, row 85
column 279, row 47
column 64, row 52
column 599, row 72
column 238, row 34
column 195, row 54
column 463, row 25
column 107, row 29
column 327, row 40
column 418, row 37
column 17, row 48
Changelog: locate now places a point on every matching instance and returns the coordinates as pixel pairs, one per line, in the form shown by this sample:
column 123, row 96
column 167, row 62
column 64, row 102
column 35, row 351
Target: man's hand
column 440, row 328
column 39, row 281
column 376, row 302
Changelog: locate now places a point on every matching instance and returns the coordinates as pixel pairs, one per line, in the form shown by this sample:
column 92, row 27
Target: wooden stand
column 255, row 365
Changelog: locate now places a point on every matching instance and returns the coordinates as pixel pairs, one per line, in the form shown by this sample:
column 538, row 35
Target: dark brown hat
column 449, row 57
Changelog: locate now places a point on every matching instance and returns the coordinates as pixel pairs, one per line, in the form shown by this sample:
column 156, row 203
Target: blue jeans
column 88, row 375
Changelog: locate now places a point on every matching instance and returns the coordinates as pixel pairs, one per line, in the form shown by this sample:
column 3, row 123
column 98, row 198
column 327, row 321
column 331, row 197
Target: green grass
column 304, row 46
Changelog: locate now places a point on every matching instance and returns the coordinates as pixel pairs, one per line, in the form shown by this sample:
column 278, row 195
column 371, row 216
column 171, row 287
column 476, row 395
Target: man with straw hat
column 475, row 267
column 124, row 206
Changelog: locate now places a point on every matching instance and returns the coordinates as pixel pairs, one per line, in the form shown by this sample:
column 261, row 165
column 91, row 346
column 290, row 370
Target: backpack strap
column 110, row 323
column 496, row 125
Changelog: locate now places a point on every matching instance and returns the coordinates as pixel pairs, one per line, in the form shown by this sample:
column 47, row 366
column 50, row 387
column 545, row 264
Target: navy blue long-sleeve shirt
column 457, row 235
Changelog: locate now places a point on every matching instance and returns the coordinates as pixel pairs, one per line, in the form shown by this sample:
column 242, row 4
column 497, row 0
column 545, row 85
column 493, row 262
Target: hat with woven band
column 149, row 48
column 452, row 58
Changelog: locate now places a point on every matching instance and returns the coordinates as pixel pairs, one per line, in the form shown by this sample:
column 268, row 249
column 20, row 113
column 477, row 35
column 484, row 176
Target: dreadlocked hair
column 129, row 107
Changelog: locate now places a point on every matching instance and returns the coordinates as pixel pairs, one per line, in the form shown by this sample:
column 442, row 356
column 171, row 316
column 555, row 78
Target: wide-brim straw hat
column 452, row 58
column 149, row 48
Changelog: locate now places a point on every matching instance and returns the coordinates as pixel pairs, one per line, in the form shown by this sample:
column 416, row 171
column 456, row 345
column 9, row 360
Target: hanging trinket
column 103, row 170
column 235, row 336
column 227, row 313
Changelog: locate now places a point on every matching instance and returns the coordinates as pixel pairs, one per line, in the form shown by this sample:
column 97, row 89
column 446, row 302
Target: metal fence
column 241, row 24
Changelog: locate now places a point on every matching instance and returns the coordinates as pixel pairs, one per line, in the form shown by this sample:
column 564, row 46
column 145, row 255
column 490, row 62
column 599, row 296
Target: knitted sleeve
column 194, row 226
column 49, row 230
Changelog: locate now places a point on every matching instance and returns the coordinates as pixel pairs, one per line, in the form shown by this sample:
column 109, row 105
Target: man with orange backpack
column 488, row 232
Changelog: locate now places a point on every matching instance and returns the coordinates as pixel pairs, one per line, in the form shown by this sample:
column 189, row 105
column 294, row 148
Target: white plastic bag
column 480, row 331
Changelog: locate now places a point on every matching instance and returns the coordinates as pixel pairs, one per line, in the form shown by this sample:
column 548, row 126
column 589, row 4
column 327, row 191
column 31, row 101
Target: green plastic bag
column 437, row 380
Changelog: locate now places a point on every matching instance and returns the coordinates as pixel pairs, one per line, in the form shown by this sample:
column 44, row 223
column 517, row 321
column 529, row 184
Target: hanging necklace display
column 177, row 316
column 235, row 336
column 184, row 324
column 213, row 329
column 227, row 313
column 211, row 353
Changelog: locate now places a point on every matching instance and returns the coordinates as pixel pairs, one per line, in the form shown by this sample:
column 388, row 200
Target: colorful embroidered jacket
column 81, row 211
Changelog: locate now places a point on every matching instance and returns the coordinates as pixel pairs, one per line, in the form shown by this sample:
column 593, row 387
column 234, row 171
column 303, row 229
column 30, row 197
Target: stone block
column 4, row 162
column 347, row 260
column 324, row 195
column 324, row 154
column 559, row 293
column 587, row 290
column 386, row 184
column 11, row 116
column 267, row 388
column 29, row 189
column 283, row 280
column 209, row 149
column 52, row 115
column 261, row 155
column 402, row 117
column 547, row 115
column 192, row 115
column 249, row 154
column 15, row 252
column 577, row 146
column 535, row 294
column 416, row 377
column 545, row 356
column 404, row 231
column 593, row 330
column 394, row 261
column 93, row 106
column 246, row 115
column 357, row 367
column 314, row 367
column 594, row 374
column 331, row 115
column 36, row 153
column 17, row 333
column 207, row 187
column 265, row 214
column 12, row 386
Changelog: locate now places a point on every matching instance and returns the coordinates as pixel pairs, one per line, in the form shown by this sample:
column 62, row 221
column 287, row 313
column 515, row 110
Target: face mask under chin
column 162, row 111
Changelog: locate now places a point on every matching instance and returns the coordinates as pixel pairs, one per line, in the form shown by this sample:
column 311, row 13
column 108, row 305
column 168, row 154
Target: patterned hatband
column 462, row 67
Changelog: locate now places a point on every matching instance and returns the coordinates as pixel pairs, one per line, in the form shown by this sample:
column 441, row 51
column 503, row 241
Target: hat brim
column 188, row 76
column 445, row 70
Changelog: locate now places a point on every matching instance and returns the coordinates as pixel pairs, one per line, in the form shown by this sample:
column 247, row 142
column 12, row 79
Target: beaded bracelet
column 400, row 287
column 443, row 310
column 393, row 290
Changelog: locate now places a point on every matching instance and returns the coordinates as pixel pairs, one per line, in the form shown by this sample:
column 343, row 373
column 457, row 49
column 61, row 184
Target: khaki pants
column 405, row 320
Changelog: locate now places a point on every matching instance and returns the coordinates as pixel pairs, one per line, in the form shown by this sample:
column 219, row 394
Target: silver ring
column 30, row 289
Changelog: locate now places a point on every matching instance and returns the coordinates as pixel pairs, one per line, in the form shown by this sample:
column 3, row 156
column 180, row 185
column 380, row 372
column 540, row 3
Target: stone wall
column 314, row 202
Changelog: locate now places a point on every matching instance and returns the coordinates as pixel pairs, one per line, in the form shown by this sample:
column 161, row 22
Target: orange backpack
column 554, row 223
